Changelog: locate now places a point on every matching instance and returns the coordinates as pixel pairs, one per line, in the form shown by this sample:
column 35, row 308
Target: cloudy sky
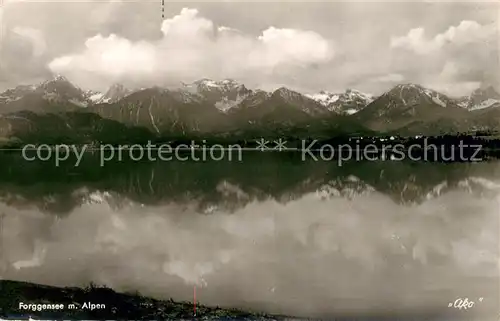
column 449, row 46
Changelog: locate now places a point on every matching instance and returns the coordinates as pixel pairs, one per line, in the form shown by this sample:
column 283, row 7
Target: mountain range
column 57, row 108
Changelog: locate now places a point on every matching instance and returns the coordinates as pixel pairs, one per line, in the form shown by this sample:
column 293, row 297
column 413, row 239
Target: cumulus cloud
column 111, row 55
column 466, row 33
column 192, row 47
column 455, row 61
column 254, row 43
column 289, row 45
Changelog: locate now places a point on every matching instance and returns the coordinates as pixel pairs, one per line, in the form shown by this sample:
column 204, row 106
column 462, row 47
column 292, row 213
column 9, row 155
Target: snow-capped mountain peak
column 287, row 94
column 324, row 98
column 349, row 102
column 481, row 98
column 411, row 94
column 15, row 94
column 353, row 94
column 257, row 97
column 297, row 100
column 58, row 90
column 58, row 77
column 115, row 93
column 94, row 96
column 209, row 84
column 223, row 94
column 57, row 80
column 437, row 98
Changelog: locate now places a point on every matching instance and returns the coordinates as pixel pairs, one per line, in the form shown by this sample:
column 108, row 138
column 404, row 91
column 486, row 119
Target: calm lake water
column 271, row 233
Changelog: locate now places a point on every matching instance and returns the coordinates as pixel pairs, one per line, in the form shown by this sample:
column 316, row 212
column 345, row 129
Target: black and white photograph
column 250, row 160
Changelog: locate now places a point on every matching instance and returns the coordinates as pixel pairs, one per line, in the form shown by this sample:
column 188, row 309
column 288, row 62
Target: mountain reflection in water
column 271, row 233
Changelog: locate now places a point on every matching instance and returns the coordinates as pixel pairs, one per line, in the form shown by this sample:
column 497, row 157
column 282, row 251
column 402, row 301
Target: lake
column 272, row 233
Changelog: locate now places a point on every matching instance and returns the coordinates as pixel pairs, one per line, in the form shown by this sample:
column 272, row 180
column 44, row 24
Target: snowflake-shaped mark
column 280, row 145
column 262, row 144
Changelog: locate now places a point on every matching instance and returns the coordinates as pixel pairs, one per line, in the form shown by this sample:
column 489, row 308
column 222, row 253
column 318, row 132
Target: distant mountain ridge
column 349, row 102
column 114, row 94
column 228, row 93
column 226, row 106
column 408, row 104
column 481, row 98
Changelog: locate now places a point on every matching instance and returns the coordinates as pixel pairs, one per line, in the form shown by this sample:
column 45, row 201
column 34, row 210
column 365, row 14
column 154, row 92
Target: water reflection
column 316, row 242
